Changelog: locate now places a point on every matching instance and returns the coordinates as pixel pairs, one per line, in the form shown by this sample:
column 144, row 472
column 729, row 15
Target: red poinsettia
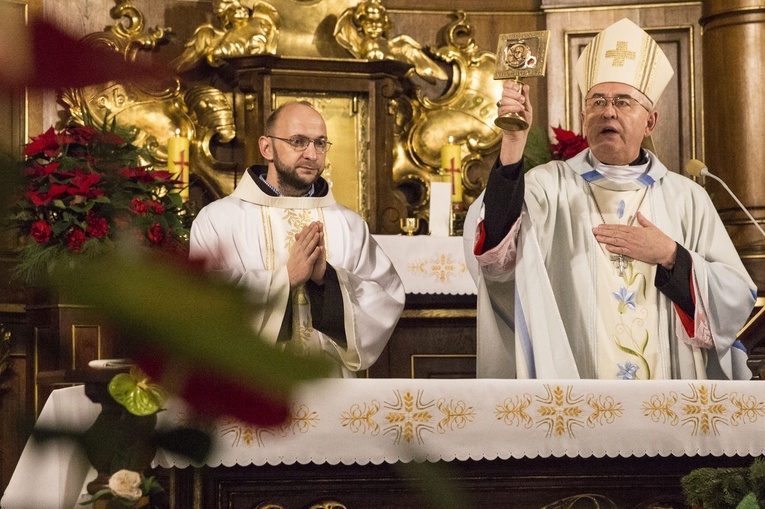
column 568, row 144
column 82, row 188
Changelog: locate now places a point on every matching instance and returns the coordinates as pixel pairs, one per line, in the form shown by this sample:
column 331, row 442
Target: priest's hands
column 308, row 257
column 645, row 243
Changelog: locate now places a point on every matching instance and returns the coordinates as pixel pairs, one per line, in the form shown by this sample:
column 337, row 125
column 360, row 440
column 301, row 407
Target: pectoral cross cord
column 620, row 261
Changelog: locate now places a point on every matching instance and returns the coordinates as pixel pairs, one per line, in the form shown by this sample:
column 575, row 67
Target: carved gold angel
column 363, row 31
column 243, row 31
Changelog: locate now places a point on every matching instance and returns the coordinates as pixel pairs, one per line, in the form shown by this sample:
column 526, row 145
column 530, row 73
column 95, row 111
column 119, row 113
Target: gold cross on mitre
column 620, row 54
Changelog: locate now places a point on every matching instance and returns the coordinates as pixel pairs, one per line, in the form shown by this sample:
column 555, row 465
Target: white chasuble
column 552, row 304
column 246, row 237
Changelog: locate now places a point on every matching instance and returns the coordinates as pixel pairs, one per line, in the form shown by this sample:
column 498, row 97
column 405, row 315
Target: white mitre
column 624, row 53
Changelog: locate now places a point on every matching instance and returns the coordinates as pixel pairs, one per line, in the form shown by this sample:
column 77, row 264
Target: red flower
column 138, row 206
column 569, row 144
column 82, row 184
column 156, row 234
column 46, row 143
column 156, row 207
column 75, row 239
column 80, row 135
column 40, row 231
column 162, row 175
column 39, row 199
column 139, row 174
column 97, row 226
column 215, row 394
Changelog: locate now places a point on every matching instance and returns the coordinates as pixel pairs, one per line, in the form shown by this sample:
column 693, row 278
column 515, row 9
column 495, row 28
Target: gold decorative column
column 733, row 42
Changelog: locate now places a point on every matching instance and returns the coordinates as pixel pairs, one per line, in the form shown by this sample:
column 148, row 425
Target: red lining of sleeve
column 688, row 321
column 478, row 248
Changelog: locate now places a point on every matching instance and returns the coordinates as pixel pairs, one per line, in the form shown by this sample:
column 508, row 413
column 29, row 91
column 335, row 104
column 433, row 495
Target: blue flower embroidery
column 627, row 371
column 625, row 298
column 620, row 209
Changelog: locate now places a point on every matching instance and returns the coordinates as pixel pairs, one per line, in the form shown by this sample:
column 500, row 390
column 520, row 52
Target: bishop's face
column 615, row 134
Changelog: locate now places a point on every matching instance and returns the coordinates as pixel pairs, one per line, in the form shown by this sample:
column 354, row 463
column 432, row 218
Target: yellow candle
column 451, row 164
column 178, row 160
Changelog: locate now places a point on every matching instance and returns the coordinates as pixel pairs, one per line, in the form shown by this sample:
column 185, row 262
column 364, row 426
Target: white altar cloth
column 429, row 264
column 388, row 420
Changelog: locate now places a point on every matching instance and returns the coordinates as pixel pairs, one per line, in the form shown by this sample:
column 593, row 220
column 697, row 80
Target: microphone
column 696, row 168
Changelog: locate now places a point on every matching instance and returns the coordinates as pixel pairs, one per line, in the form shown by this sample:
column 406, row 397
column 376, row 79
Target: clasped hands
column 308, row 257
column 645, row 243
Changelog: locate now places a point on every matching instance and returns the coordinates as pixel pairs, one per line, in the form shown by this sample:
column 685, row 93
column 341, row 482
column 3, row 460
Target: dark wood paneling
column 517, row 483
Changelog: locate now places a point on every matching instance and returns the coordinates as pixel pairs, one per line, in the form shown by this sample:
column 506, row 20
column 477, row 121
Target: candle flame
column 451, row 139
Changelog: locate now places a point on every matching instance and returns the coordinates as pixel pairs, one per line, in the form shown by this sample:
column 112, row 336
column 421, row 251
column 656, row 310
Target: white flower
column 126, row 484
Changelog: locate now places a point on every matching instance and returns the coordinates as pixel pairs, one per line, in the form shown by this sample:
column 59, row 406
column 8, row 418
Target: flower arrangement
column 83, row 187
column 540, row 150
column 121, row 442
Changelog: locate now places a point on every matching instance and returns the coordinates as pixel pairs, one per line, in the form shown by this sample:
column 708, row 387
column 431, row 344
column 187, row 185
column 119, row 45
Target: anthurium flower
column 136, row 393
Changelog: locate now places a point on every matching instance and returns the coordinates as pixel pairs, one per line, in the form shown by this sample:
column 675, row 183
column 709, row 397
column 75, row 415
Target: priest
column 607, row 265
column 318, row 280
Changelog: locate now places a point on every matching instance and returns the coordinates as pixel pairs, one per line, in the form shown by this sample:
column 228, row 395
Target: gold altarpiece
column 390, row 103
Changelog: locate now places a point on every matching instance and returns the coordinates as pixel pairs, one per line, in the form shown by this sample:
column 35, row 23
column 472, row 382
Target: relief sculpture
column 240, row 30
column 464, row 111
column 364, row 30
column 201, row 113
column 152, row 113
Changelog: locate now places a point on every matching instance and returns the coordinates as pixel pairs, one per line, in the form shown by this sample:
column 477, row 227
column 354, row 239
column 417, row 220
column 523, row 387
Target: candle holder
column 409, row 225
column 457, row 221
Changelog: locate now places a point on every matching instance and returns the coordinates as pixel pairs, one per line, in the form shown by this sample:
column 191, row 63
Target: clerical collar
column 271, row 190
column 623, row 173
column 276, row 192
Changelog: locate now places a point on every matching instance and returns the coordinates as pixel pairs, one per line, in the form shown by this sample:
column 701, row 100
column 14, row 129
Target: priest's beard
column 290, row 181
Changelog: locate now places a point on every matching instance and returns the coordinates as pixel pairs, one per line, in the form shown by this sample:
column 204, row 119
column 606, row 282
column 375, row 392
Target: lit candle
column 178, row 160
column 451, row 163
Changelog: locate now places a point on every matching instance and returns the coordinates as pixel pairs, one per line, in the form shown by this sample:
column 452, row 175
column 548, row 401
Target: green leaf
column 627, row 350
column 645, row 343
column 176, row 199
column 102, row 493
column 189, row 315
column 749, row 502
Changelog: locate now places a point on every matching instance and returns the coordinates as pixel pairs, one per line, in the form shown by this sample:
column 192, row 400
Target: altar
column 495, row 443
column 436, row 335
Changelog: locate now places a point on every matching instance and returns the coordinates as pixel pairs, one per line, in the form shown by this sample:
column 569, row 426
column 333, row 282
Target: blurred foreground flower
column 41, row 55
column 191, row 334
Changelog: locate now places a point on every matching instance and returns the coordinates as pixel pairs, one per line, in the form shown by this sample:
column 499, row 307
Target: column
column 733, row 42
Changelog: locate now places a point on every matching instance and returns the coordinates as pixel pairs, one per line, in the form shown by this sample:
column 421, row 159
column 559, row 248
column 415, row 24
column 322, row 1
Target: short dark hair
column 274, row 116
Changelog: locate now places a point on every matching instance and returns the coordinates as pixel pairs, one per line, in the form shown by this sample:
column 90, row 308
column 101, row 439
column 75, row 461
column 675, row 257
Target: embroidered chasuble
column 247, row 237
column 629, row 347
column 552, row 303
